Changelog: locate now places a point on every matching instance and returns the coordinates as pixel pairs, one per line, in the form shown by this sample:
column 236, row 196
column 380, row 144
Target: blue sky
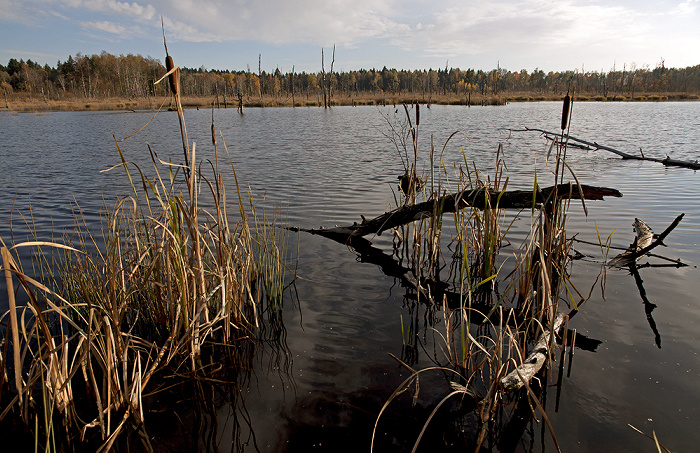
column 552, row 35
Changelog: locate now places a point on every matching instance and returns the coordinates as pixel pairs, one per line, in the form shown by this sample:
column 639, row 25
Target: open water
column 328, row 167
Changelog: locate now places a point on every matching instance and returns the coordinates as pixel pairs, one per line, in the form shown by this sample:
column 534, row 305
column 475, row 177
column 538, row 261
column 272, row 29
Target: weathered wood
column 635, row 252
column 534, row 362
column 695, row 165
column 478, row 198
column 644, row 237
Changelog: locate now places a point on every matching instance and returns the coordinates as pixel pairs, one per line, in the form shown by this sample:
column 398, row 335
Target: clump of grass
column 491, row 318
column 169, row 286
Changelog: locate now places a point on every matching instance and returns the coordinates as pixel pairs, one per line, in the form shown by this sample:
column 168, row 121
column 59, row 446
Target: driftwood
column 478, row 198
column 641, row 247
column 666, row 161
column 644, row 238
column 534, row 362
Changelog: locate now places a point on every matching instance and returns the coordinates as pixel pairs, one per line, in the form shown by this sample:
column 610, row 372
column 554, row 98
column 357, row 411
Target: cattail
column 565, row 111
column 213, row 129
column 174, row 80
column 417, row 114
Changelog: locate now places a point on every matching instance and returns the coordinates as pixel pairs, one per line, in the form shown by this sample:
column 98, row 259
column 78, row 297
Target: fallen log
column 695, row 165
column 534, row 362
column 478, row 198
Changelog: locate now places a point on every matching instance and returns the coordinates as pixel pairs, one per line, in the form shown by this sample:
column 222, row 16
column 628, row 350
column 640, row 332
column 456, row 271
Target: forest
column 133, row 76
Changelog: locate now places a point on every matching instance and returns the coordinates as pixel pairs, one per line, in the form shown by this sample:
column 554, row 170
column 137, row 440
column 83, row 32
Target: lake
column 344, row 317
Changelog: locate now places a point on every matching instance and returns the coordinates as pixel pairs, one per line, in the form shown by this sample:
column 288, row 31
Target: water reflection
column 330, row 166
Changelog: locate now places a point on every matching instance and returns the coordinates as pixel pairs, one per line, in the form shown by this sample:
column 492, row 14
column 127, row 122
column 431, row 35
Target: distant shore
column 25, row 102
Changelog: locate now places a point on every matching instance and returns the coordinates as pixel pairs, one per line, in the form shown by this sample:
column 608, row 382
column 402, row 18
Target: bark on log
column 534, row 362
column 478, row 198
column 666, row 161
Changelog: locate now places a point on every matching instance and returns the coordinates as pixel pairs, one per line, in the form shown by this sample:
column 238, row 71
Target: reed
column 494, row 308
column 169, row 286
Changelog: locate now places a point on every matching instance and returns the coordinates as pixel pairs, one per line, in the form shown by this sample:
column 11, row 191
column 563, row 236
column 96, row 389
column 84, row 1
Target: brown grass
column 24, row 101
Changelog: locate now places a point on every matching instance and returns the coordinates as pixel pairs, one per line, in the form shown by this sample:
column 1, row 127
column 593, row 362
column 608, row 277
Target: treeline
column 106, row 75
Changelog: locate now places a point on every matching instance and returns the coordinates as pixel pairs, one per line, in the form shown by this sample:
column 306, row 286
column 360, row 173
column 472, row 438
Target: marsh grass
column 506, row 304
column 169, row 289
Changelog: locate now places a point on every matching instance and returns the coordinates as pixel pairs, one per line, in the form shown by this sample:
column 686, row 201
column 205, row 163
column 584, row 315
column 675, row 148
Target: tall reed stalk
column 492, row 318
column 176, row 285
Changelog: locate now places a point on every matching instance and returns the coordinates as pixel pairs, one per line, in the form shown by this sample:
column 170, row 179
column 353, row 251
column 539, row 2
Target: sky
column 551, row 35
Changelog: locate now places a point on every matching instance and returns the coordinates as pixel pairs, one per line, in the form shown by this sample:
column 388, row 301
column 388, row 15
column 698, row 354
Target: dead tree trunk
column 512, row 199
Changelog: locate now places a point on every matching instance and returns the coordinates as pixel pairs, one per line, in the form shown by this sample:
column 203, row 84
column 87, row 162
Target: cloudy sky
column 404, row 34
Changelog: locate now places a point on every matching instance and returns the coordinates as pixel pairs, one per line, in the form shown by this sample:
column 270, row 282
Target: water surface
column 328, row 167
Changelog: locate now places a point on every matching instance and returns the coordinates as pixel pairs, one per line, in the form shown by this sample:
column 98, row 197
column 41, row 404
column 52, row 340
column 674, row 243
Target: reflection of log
column 648, row 306
column 644, row 241
column 666, row 161
column 429, row 290
column 478, row 198
column 534, row 362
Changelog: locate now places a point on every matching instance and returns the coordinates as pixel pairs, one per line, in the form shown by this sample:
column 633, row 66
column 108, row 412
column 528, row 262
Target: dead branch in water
column 477, row 198
column 641, row 248
column 644, row 241
column 625, row 156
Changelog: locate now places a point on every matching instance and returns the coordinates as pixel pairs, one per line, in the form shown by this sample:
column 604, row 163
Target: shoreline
column 26, row 103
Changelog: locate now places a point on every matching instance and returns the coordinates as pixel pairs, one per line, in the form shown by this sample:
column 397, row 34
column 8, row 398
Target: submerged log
column 478, row 198
column 695, row 165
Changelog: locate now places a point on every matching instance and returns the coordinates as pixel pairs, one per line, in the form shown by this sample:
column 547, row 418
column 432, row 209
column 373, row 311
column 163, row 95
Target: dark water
column 326, row 167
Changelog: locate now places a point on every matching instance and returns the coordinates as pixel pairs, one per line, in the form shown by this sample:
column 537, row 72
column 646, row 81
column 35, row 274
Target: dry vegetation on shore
column 23, row 101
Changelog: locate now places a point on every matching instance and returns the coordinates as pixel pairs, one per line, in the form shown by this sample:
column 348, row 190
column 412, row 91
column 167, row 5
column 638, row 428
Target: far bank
column 27, row 102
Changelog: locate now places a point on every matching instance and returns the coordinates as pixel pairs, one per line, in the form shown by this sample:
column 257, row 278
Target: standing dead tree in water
column 695, row 165
column 326, row 80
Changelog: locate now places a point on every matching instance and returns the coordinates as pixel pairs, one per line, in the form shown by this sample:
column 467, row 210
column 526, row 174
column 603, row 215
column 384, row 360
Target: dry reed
column 174, row 287
column 492, row 318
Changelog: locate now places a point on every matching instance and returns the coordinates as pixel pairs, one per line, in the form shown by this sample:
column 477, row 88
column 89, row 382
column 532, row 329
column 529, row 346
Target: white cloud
column 10, row 10
column 134, row 9
column 685, row 9
column 548, row 26
column 304, row 21
column 105, row 26
column 414, row 32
